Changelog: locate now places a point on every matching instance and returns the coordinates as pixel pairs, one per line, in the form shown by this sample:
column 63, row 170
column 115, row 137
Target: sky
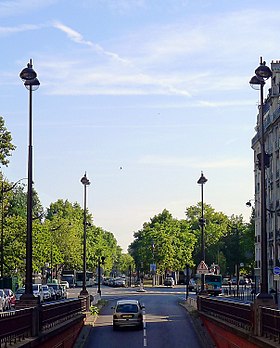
column 143, row 95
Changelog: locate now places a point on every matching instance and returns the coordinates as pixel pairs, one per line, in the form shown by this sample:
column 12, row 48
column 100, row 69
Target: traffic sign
column 202, row 268
column 276, row 270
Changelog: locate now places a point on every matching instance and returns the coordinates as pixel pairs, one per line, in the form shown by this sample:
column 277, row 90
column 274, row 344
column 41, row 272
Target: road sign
column 276, row 270
column 153, row 267
column 202, row 268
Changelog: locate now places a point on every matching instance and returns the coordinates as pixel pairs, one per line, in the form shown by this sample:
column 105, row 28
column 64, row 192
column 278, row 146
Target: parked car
column 128, row 313
column 4, row 302
column 168, row 281
column 11, row 297
column 65, row 282
column 53, row 295
column 46, row 293
column 192, row 284
column 119, row 282
column 64, row 293
column 19, row 292
column 38, row 291
column 58, row 290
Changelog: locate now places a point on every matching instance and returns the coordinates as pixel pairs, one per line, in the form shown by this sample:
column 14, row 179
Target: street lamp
column 99, row 272
column 201, row 181
column 262, row 73
column 85, row 181
column 29, row 77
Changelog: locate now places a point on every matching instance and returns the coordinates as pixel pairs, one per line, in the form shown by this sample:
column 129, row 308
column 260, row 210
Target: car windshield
column 35, row 287
column 44, row 287
column 127, row 308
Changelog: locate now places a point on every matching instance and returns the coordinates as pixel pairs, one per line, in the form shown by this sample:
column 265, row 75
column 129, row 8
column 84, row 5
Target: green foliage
column 94, row 310
column 166, row 241
column 6, row 146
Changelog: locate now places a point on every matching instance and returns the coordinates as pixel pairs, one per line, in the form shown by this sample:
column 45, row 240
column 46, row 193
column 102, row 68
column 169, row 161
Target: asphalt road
column 166, row 323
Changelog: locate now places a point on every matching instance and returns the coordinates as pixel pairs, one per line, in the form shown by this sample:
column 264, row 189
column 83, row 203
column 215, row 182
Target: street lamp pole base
column 84, row 293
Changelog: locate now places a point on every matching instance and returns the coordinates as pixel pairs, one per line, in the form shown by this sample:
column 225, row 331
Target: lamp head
column 85, row 181
column 28, row 73
column 32, row 85
column 256, row 82
column 263, row 71
column 202, row 180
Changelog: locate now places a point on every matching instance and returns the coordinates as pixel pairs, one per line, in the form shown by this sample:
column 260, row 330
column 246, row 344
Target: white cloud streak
column 193, row 163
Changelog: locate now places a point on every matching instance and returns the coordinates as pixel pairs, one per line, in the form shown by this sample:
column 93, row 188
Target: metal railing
column 270, row 323
column 238, row 314
column 17, row 325
column 255, row 319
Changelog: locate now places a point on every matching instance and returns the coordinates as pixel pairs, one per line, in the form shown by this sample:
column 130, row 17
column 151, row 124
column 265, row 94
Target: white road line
column 144, row 329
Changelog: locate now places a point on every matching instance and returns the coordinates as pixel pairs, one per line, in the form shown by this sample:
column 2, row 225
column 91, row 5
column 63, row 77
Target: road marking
column 144, row 329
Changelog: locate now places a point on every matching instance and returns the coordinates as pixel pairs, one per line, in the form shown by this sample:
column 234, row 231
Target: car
column 46, row 293
column 65, row 282
column 4, row 301
column 192, row 284
column 57, row 289
column 38, row 291
column 52, row 292
column 19, row 292
column 128, row 313
column 168, row 281
column 64, row 293
column 119, row 282
column 11, row 297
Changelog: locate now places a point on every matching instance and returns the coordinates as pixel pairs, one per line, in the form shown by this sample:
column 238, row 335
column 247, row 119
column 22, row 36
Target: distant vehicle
column 38, row 291
column 168, row 281
column 69, row 276
column 4, row 301
column 19, row 292
column 213, row 284
column 57, row 289
column 11, row 297
column 65, row 282
column 80, row 277
column 192, row 284
column 52, row 292
column 128, row 313
column 46, row 293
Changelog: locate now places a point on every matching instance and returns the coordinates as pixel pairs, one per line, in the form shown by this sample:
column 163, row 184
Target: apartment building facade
column 271, row 110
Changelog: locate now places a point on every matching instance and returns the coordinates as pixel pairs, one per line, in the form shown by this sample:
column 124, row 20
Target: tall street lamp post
column 201, row 181
column 29, row 77
column 262, row 73
column 85, row 181
column 99, row 272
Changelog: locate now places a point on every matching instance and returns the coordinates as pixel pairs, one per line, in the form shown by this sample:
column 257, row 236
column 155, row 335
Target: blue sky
column 157, row 87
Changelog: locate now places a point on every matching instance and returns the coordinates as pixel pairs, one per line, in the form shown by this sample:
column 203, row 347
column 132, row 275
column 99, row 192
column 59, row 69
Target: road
column 166, row 323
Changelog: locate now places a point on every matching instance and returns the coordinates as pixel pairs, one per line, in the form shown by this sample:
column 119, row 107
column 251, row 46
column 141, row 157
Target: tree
column 165, row 241
column 6, row 146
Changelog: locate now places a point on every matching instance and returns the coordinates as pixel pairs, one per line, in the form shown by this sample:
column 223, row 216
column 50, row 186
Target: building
column 271, row 111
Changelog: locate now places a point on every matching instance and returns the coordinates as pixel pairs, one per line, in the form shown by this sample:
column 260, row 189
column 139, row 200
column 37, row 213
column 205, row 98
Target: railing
column 52, row 314
column 239, row 314
column 15, row 326
column 258, row 321
column 270, row 323
column 20, row 324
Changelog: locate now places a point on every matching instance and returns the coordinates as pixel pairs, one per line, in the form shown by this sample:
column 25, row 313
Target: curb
column 203, row 335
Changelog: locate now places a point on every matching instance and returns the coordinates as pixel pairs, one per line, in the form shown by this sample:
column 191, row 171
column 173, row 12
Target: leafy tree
column 166, row 241
column 6, row 146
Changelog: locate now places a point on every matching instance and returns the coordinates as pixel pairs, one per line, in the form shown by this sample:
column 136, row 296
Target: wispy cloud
column 193, row 163
column 78, row 38
column 18, row 29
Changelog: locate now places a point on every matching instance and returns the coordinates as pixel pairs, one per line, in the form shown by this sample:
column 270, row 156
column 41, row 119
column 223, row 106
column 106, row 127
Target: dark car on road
column 168, row 281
